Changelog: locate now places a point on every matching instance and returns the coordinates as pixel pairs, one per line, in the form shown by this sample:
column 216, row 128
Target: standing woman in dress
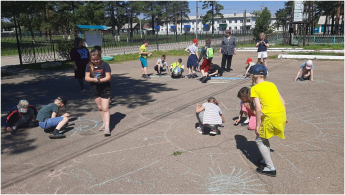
column 80, row 57
column 228, row 48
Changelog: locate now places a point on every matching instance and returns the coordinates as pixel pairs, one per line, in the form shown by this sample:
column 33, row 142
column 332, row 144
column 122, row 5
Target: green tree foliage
column 213, row 12
column 91, row 13
column 263, row 23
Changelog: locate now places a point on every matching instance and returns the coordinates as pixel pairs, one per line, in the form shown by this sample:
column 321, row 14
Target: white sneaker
column 107, row 131
column 102, row 127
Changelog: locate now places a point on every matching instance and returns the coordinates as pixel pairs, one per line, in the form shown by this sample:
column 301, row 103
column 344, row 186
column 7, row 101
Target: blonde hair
column 94, row 52
column 256, row 77
column 262, row 34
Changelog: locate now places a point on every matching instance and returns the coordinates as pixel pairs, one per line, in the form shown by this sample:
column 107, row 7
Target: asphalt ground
column 153, row 118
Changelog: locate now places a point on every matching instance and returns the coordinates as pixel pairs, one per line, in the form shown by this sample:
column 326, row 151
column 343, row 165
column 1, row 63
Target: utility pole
column 141, row 36
column 196, row 24
column 305, row 29
column 212, row 18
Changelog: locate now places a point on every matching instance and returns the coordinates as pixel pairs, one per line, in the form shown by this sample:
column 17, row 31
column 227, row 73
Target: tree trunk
column 212, row 20
column 337, row 18
column 325, row 26
column 20, row 29
column 175, row 24
column 31, row 31
column 332, row 27
column 131, row 35
column 181, row 21
column 112, row 15
column 168, row 29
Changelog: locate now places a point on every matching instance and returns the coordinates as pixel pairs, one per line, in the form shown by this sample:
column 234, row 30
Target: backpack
column 209, row 53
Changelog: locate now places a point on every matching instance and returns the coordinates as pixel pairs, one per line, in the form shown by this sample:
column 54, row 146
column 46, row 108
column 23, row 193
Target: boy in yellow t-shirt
column 177, row 69
column 143, row 54
column 270, row 115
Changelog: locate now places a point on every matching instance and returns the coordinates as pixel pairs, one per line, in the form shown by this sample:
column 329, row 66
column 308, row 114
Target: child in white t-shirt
column 161, row 65
column 209, row 114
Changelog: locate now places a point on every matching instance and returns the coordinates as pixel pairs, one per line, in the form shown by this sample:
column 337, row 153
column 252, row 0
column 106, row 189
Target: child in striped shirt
column 209, row 114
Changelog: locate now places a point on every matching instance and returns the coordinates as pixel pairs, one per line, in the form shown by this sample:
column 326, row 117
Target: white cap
column 309, row 63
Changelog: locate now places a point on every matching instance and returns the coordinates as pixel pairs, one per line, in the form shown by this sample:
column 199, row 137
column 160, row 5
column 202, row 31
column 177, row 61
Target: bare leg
column 62, row 123
column 99, row 105
column 106, row 115
column 145, row 70
column 265, row 62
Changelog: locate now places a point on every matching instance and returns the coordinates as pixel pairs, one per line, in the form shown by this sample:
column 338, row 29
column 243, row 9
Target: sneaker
column 204, row 79
column 268, row 173
column 201, row 131
column 213, row 132
column 189, row 76
column 55, row 135
column 14, row 128
column 102, row 128
column 106, row 131
column 143, row 75
column 159, row 74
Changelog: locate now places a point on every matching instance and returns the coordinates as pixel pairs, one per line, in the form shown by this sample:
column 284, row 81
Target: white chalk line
column 102, row 183
column 322, row 118
column 288, row 161
column 181, row 113
column 299, row 151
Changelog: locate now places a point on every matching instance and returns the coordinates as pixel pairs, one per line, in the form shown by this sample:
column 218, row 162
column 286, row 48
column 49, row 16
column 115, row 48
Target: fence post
column 277, row 39
column 53, row 50
column 314, row 40
column 33, row 47
column 334, row 40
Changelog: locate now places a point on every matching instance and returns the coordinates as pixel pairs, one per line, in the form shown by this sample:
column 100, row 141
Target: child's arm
column 199, row 108
column 157, row 63
column 247, row 70
column 223, row 119
column 257, row 44
column 239, row 118
column 89, row 79
column 216, row 72
column 186, row 50
column 201, row 54
column 197, row 54
column 311, row 75
column 266, row 44
column 299, row 72
column 283, row 103
column 258, row 115
column 106, row 78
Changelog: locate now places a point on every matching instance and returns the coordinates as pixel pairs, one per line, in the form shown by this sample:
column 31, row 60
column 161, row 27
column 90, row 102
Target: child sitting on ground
column 161, row 65
column 250, row 64
column 48, row 117
column 307, row 70
column 176, row 69
column 215, row 71
column 20, row 116
column 271, row 105
column 247, row 108
column 207, row 55
column 192, row 63
column 209, row 114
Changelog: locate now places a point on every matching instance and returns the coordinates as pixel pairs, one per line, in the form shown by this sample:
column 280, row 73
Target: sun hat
column 23, row 106
column 308, row 64
column 258, row 69
column 249, row 60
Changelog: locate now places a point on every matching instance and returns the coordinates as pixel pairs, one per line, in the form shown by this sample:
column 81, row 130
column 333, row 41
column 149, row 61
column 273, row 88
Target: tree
column 263, row 23
column 92, row 13
column 134, row 7
column 212, row 13
column 151, row 10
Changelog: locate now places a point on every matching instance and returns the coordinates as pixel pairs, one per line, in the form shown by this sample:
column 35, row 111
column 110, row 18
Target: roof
column 126, row 26
column 93, row 27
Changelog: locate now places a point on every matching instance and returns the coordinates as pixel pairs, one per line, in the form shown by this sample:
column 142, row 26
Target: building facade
column 233, row 22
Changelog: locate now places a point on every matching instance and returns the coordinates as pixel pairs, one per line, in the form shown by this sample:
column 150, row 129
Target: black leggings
column 81, row 83
column 228, row 59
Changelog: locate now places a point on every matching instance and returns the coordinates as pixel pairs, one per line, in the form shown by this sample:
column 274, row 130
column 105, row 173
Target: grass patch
column 273, row 57
column 317, row 53
column 325, row 46
column 177, row 153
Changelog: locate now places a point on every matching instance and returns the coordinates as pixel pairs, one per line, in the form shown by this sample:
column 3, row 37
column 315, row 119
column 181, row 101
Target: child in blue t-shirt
column 307, row 71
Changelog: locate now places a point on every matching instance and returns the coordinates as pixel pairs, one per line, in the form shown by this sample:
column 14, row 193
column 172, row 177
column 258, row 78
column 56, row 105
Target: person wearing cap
column 270, row 116
column 20, row 116
column 80, row 57
column 192, row 63
column 307, row 70
column 49, row 117
column 250, row 64
column 228, row 49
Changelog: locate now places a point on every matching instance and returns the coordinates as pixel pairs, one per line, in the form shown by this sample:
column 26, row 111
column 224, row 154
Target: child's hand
column 237, row 121
column 198, row 105
column 311, row 79
column 65, row 115
column 257, row 132
column 295, row 79
column 9, row 129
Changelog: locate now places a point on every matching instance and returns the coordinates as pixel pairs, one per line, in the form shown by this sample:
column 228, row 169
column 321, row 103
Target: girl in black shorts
column 98, row 74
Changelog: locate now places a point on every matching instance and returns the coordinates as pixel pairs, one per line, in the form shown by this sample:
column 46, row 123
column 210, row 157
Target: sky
column 239, row 6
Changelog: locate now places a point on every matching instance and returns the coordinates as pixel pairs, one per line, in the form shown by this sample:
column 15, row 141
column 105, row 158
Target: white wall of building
column 233, row 21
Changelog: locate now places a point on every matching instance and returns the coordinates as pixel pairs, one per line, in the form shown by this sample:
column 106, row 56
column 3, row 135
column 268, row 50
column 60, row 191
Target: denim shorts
column 143, row 62
column 50, row 122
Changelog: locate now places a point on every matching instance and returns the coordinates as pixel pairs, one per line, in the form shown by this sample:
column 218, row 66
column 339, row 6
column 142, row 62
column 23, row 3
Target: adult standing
column 228, row 49
column 80, row 57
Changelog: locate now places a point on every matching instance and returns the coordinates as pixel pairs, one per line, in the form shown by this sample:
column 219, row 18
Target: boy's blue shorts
column 143, row 62
column 50, row 122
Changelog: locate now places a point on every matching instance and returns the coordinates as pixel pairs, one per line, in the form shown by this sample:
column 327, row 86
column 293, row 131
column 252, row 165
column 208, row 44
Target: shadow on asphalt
column 48, row 85
column 115, row 119
column 248, row 148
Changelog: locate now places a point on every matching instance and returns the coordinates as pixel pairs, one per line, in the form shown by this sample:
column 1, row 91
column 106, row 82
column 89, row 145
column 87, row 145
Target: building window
column 229, row 28
column 248, row 20
column 192, row 23
column 235, row 21
column 192, row 29
column 241, row 21
column 223, row 21
column 235, row 28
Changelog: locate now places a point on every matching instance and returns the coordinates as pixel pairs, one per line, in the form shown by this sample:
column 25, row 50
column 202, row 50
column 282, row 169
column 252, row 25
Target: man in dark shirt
column 215, row 71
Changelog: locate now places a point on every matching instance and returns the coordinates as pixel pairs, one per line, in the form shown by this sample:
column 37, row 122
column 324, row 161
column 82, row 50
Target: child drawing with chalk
column 98, row 74
column 209, row 114
column 247, row 108
column 270, row 116
column 306, row 71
